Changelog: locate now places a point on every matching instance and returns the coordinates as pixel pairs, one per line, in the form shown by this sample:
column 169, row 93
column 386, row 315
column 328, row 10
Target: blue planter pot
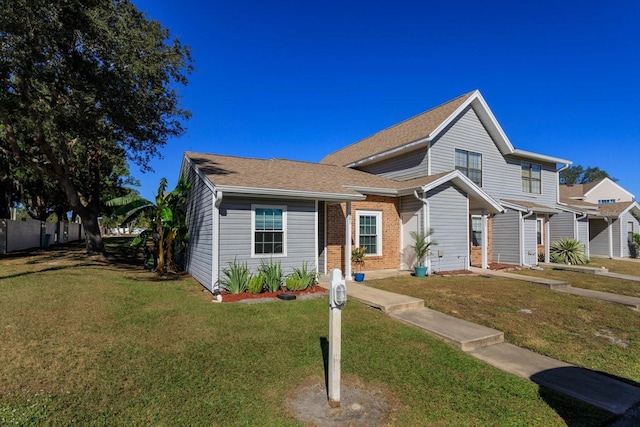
column 358, row 277
column 421, row 271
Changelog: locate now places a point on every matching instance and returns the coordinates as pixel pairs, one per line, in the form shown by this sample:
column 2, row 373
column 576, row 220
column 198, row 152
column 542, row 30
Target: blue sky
column 301, row 79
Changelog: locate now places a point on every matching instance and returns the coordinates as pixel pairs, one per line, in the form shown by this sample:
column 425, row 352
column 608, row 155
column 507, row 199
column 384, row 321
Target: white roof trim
column 612, row 182
column 540, row 157
column 464, row 183
column 371, row 190
column 207, row 182
column 294, row 194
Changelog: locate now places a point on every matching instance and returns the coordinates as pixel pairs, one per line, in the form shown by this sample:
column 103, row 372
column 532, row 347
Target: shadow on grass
column 586, row 398
column 324, row 347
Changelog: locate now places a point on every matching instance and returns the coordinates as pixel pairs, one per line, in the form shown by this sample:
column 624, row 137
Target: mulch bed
column 227, row 297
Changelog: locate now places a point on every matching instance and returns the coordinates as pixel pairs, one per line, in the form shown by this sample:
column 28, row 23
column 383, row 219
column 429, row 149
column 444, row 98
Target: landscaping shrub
column 294, row 283
column 307, row 277
column 256, row 283
column 634, row 245
column 567, row 251
column 237, row 277
column 272, row 273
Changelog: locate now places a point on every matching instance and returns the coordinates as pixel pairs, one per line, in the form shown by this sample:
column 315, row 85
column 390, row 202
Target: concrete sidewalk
column 556, row 285
column 488, row 345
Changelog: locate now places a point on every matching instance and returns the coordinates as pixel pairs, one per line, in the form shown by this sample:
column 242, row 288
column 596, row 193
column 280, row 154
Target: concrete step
column 465, row 335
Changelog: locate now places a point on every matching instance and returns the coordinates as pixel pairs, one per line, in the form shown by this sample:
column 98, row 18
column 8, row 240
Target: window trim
column 468, row 168
column 378, row 215
column 479, row 245
column 253, row 231
column 530, row 178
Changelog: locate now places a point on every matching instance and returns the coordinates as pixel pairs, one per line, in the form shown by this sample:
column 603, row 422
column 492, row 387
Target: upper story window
column 531, row 178
column 269, row 227
column 369, row 231
column 605, row 201
column 470, row 164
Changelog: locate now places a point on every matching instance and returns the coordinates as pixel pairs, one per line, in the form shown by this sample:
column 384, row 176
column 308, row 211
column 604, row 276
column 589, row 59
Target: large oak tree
column 85, row 84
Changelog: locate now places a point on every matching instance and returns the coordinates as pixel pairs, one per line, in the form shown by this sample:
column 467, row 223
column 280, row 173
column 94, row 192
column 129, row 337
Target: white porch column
column 347, row 244
column 610, row 232
column 547, row 237
column 485, row 241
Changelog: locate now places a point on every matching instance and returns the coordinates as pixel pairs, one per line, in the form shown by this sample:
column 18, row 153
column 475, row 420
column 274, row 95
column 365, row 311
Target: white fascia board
column 566, row 208
column 540, row 157
column 611, row 182
column 634, row 206
column 513, row 206
column 289, row 194
column 397, row 150
column 201, row 175
column 461, row 181
column 371, row 190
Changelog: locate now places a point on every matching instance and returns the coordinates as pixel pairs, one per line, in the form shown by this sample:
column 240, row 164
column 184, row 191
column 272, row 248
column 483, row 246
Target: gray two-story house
column 451, row 169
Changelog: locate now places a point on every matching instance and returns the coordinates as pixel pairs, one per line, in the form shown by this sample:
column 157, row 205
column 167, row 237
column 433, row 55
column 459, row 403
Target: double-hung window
column 269, row 225
column 531, row 178
column 470, row 164
column 369, row 231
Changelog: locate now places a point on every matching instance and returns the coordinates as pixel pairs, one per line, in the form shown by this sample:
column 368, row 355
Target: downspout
column 523, row 256
column 347, row 244
column 215, row 249
column 425, row 224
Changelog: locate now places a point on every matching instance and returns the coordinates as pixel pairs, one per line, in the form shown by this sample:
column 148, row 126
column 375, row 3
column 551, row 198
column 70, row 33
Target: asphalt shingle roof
column 410, row 130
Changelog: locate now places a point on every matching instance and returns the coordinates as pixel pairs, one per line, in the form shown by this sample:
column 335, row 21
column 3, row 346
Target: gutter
column 215, row 247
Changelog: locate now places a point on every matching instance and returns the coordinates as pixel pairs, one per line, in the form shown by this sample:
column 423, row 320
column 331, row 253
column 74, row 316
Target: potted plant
column 357, row 259
column 421, row 247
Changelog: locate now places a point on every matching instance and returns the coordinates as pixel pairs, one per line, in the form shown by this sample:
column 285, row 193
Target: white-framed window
column 531, row 178
column 268, row 230
column 539, row 232
column 630, row 231
column 470, row 164
column 606, row 201
column 476, row 230
column 369, row 231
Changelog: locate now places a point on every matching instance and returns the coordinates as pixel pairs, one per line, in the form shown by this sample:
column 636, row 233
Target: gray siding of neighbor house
column 562, row 226
column 403, row 167
column 583, row 235
column 505, row 238
column 626, row 219
column 321, row 238
column 235, row 233
column 615, row 226
column 501, row 177
column 449, row 212
column 598, row 237
column 199, row 256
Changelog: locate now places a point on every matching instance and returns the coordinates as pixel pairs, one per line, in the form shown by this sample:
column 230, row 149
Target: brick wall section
column 476, row 251
column 389, row 207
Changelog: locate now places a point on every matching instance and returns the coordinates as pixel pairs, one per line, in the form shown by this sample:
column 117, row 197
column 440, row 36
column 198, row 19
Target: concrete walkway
column 590, row 270
column 556, row 285
column 488, row 345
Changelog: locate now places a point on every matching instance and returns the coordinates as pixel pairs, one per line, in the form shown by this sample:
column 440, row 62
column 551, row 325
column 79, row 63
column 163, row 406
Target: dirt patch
column 360, row 404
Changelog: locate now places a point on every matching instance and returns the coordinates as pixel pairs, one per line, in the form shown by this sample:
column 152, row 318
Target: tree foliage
column 167, row 231
column 85, row 85
column 579, row 175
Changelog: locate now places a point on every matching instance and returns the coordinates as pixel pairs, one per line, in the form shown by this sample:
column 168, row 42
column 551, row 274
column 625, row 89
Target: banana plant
column 167, row 225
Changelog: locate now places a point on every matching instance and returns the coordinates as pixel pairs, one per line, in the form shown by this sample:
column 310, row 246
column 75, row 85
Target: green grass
column 92, row 343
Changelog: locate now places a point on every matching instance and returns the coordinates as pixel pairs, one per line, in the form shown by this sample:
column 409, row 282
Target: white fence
column 29, row 234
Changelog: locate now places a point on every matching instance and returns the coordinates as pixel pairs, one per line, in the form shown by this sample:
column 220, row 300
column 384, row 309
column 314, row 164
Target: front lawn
column 91, row 343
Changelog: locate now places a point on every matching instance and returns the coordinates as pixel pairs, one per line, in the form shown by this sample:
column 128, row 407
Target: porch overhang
column 525, row 206
column 478, row 198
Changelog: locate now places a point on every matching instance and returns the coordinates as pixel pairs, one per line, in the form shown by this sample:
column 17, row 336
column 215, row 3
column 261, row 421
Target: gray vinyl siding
column 501, row 177
column 598, row 237
column 506, row 238
column 322, row 227
column 626, row 218
column 235, row 233
column 403, row 167
column 530, row 241
column 412, row 205
column 199, row 256
column 562, row 226
column 449, row 213
column 583, row 235
column 615, row 226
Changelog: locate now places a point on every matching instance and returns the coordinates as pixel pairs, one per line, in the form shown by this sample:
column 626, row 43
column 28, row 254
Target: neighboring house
column 451, row 169
column 601, row 214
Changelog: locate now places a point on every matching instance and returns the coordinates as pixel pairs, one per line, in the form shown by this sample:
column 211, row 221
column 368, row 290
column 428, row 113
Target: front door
column 410, row 223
